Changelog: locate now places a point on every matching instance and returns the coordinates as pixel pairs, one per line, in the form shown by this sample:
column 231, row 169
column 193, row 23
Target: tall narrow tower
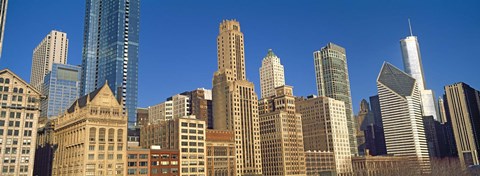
column 402, row 116
column 331, row 72
column 52, row 49
column 110, row 50
column 235, row 103
column 272, row 75
column 412, row 63
column 3, row 16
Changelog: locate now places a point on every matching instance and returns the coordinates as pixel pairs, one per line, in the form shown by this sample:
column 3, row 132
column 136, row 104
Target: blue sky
column 178, row 39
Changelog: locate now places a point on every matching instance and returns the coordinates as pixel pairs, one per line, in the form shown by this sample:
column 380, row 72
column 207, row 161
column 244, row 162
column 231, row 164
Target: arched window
column 1, row 80
column 7, row 81
column 120, row 135
column 93, row 134
column 15, row 90
column 101, row 135
column 111, row 135
column 20, row 90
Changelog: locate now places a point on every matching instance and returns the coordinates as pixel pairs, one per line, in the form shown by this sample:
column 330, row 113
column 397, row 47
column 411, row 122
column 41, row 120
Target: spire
column 270, row 53
column 410, row 26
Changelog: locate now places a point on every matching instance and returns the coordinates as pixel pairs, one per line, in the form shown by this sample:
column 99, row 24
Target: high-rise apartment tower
column 271, row 74
column 110, row 50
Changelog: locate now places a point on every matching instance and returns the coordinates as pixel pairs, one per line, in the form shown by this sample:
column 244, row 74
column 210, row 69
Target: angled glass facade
column 61, row 88
column 110, row 52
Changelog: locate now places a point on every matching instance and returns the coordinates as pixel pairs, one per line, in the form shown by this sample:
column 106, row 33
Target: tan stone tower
column 235, row 105
column 281, row 134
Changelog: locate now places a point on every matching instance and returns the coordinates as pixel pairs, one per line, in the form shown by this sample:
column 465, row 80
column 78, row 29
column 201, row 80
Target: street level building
column 383, row 165
column 320, row 163
column 220, row 153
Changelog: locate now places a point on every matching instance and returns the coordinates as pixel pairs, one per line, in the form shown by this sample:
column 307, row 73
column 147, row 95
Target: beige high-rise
column 91, row 137
column 325, row 129
column 463, row 107
column 19, row 112
column 272, row 75
column 281, row 134
column 235, row 103
column 52, row 49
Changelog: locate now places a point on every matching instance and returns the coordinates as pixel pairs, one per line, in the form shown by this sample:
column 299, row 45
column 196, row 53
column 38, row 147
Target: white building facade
column 272, row 74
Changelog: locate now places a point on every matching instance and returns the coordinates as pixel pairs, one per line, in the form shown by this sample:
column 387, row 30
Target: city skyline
column 296, row 53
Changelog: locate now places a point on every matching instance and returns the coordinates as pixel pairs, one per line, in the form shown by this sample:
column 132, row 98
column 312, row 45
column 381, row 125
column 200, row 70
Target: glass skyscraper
column 110, row 52
column 412, row 63
column 61, row 87
column 331, row 71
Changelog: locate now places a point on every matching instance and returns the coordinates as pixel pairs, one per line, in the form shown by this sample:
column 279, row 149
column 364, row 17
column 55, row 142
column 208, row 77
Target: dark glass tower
column 110, row 52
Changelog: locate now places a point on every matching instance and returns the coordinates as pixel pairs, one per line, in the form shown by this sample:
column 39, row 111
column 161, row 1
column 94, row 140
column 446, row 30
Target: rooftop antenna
column 410, row 26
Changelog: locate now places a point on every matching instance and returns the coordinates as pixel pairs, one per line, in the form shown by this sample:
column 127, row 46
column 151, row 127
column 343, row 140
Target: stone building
column 19, row 114
column 220, row 153
column 91, row 137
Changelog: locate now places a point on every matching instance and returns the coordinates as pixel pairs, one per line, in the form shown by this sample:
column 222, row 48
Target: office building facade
column 400, row 103
column 61, row 88
column 200, row 105
column 331, row 72
column 220, row 152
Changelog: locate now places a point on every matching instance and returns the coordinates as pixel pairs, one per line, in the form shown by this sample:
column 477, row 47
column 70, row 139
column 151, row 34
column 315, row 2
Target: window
column 91, row 156
column 154, row 171
column 93, row 133
column 101, row 156
column 143, row 156
column 173, row 163
column 101, row 135
column 132, row 171
column 143, row 163
column 120, row 135
column 119, row 156
column 143, row 171
column 165, row 170
column 132, row 163
column 184, row 124
column 101, row 147
column 132, row 156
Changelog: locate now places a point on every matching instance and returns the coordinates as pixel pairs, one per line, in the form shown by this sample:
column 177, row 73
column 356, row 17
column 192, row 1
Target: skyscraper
column 271, row 74
column 374, row 133
column 331, row 72
column 61, row 88
column 365, row 120
column 235, row 103
column 52, row 49
column 325, row 130
column 412, row 63
column 402, row 115
column 281, row 134
column 463, row 107
column 3, row 17
column 201, row 105
column 110, row 50
column 19, row 114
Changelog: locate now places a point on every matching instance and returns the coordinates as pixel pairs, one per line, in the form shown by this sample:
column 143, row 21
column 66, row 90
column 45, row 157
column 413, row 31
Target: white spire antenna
column 410, row 26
